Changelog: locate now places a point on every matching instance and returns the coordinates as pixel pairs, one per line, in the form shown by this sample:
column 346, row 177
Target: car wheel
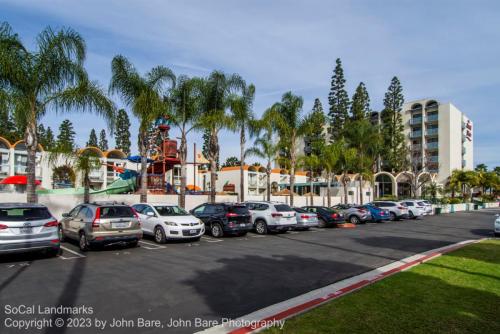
column 321, row 223
column 261, row 227
column 392, row 216
column 60, row 233
column 83, row 242
column 216, row 230
column 354, row 220
column 411, row 215
column 160, row 235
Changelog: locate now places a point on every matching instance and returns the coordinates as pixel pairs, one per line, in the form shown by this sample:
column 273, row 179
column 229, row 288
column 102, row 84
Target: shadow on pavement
column 405, row 244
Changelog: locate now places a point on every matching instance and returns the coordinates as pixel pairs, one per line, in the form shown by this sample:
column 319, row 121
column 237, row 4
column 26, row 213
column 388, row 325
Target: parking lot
column 219, row 278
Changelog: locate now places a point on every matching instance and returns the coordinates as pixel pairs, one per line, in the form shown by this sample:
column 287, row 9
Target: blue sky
column 447, row 50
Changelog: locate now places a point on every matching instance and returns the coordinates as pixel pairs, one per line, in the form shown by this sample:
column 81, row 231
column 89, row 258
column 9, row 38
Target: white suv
column 415, row 208
column 397, row 210
column 271, row 216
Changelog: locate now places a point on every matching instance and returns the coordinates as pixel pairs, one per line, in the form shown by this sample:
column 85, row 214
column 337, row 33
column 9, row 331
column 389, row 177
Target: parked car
column 326, row 216
column 28, row 227
column 224, row 218
column 497, row 225
column 428, row 206
column 102, row 223
column 168, row 222
column 354, row 214
column 271, row 216
column 378, row 214
column 415, row 208
column 305, row 219
column 397, row 210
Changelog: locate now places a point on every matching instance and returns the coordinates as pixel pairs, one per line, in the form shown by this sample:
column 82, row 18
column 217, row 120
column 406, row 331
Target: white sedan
column 168, row 222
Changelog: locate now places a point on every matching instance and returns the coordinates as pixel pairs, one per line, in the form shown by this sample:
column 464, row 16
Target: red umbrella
column 18, row 179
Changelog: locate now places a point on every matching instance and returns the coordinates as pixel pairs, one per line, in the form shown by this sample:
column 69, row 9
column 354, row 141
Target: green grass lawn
column 454, row 293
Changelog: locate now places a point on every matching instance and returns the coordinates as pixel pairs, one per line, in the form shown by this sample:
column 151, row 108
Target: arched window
column 384, row 184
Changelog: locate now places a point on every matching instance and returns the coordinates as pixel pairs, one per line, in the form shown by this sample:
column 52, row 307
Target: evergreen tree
column 42, row 134
column 204, row 149
column 103, row 142
column 339, row 103
column 231, row 162
column 360, row 106
column 315, row 138
column 122, row 132
column 394, row 153
column 66, row 136
column 92, row 139
column 50, row 142
column 8, row 127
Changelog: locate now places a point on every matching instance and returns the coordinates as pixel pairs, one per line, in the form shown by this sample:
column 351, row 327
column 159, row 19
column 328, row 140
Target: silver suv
column 102, row 223
column 354, row 214
column 27, row 227
column 271, row 216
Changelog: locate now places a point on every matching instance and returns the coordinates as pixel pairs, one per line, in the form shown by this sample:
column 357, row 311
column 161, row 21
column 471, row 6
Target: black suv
column 326, row 216
column 224, row 218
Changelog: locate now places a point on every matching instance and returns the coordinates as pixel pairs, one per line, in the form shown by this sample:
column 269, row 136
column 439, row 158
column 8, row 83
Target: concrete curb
column 277, row 313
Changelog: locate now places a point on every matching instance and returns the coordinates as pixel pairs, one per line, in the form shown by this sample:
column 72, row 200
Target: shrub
column 455, row 200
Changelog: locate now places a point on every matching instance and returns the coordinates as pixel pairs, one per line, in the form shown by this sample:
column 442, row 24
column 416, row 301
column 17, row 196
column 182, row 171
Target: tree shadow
column 231, row 290
column 406, row 244
column 486, row 251
column 29, row 256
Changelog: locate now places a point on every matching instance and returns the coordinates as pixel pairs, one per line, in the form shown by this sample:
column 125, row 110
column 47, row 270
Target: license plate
column 120, row 225
column 192, row 231
column 26, row 230
column 243, row 225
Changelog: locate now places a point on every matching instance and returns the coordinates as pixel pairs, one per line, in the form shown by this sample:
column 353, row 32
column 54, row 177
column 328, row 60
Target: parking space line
column 72, row 252
column 155, row 246
column 293, row 232
column 207, row 239
column 257, row 236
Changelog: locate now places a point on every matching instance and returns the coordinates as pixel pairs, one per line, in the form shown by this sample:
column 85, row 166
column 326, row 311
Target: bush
column 387, row 198
column 488, row 198
column 455, row 200
column 445, row 200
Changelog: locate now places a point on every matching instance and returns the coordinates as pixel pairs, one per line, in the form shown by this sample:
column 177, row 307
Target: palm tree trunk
column 183, row 157
column 361, row 189
column 292, row 175
column 242, row 162
column 344, row 182
column 31, row 146
column 268, row 181
column 213, row 179
column 329, row 188
column 144, row 171
column 86, row 187
column 311, row 186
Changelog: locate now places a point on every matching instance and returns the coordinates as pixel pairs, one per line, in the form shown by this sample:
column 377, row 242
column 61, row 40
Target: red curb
column 346, row 225
column 358, row 285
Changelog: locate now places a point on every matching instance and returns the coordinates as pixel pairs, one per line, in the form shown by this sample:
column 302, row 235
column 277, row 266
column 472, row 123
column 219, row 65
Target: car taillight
column 361, row 210
column 276, row 214
column 53, row 223
column 335, row 215
column 97, row 219
column 305, row 216
column 136, row 215
column 3, row 227
column 231, row 215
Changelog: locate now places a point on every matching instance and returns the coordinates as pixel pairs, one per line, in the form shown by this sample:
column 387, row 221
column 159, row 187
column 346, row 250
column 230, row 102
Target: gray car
column 28, row 227
column 99, row 224
column 305, row 219
column 354, row 214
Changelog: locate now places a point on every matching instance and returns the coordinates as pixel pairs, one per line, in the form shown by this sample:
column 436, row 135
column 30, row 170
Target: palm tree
column 329, row 158
column 462, row 179
column 265, row 147
column 82, row 161
column 241, row 109
column 215, row 98
column 184, row 100
column 311, row 162
column 145, row 96
column 50, row 78
column 291, row 126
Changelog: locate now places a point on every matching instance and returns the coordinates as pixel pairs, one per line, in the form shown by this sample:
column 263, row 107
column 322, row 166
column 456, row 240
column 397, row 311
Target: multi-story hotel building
column 439, row 136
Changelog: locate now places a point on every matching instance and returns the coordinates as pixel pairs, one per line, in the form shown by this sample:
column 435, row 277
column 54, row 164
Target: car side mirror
column 65, row 215
column 150, row 214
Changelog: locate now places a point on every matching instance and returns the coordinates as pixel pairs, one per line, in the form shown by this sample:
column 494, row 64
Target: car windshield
column 329, row 210
column 164, row 210
column 117, row 212
column 421, row 203
column 22, row 214
column 300, row 210
column 283, row 208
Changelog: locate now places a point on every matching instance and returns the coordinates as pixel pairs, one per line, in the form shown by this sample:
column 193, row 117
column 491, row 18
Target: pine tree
column 42, row 134
column 360, row 106
column 204, row 149
column 316, row 137
column 103, row 142
column 92, row 139
column 339, row 103
column 50, row 142
column 8, row 127
column 122, row 132
column 393, row 141
column 66, row 136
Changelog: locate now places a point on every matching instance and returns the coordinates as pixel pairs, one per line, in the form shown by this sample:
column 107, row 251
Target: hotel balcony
column 433, row 170
column 431, row 132
column 416, row 147
column 416, row 121
column 416, row 134
column 463, row 125
column 463, row 163
column 464, row 150
column 433, row 107
column 4, row 169
column 96, row 175
column 432, row 146
column 432, row 118
column 463, row 138
column 432, row 158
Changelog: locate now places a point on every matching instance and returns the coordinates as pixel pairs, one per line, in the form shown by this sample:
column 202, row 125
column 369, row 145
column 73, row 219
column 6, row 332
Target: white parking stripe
column 72, row 251
column 257, row 236
column 155, row 246
column 208, row 239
